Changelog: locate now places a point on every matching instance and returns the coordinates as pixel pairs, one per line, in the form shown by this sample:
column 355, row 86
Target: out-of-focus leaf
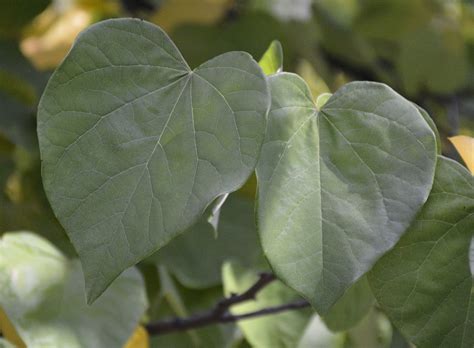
column 351, row 307
column 17, row 122
column 433, row 58
column 341, row 41
column 43, row 296
column 139, row 339
column 282, row 330
column 317, row 335
column 194, row 135
column 294, row 10
column 170, row 292
column 465, row 146
column 387, row 20
column 315, row 82
column 272, row 60
column 31, row 211
column 374, row 331
column 321, row 100
column 48, row 49
column 173, row 13
column 398, row 341
column 6, row 344
column 20, row 86
column 194, row 301
column 16, row 88
column 15, row 64
column 323, row 173
column 296, row 38
column 196, row 256
column 425, row 284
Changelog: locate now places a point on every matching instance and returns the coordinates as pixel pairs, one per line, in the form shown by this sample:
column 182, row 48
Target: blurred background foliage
column 424, row 49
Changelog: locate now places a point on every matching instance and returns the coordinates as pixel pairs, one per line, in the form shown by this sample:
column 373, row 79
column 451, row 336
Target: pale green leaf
column 338, row 187
column 135, row 145
column 317, row 335
column 322, row 99
column 425, row 284
column 43, row 295
column 5, row 344
column 282, row 330
column 272, row 60
column 374, row 331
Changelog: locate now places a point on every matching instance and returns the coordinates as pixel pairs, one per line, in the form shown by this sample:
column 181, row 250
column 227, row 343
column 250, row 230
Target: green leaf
column 351, row 307
column 5, row 344
column 19, row 87
column 317, row 335
column 135, row 145
column 272, row 60
column 196, row 256
column 433, row 127
column 282, row 330
column 425, row 284
column 322, row 99
column 398, row 341
column 31, row 211
column 338, row 187
column 374, row 331
column 42, row 294
column 443, row 55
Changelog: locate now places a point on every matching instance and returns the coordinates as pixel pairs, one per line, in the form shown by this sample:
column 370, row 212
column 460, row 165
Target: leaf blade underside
column 332, row 181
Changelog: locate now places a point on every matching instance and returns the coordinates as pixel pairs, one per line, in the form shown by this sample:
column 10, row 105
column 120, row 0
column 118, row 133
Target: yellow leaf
column 47, row 50
column 465, row 146
column 139, row 339
column 9, row 332
column 173, row 13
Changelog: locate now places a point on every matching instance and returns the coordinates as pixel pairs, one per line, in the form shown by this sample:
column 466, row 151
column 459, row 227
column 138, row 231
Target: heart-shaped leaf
column 425, row 283
column 135, row 145
column 338, row 187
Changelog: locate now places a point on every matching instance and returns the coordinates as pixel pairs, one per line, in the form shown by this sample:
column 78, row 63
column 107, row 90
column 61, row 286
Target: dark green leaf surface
column 43, row 296
column 425, row 284
column 351, row 307
column 196, row 256
column 338, row 187
column 135, row 145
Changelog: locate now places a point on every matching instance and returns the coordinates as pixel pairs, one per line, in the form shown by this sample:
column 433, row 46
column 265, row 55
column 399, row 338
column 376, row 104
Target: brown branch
column 220, row 313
